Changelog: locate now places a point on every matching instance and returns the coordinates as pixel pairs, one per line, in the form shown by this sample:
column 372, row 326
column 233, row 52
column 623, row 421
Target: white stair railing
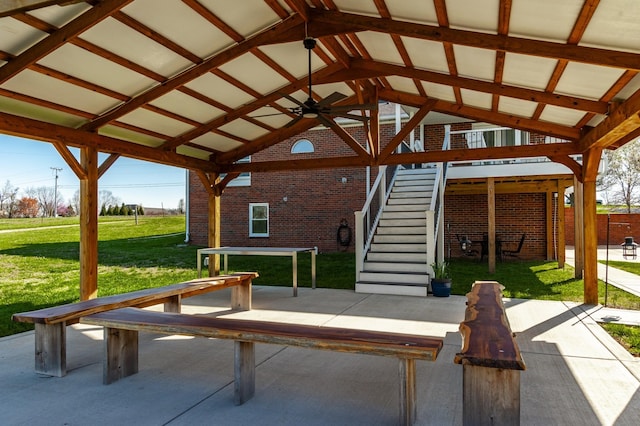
column 366, row 220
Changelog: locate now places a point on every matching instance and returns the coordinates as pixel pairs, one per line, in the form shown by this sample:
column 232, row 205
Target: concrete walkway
column 618, row 278
column 576, row 373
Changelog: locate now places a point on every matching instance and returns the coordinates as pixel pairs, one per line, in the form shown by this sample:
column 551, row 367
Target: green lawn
column 40, row 267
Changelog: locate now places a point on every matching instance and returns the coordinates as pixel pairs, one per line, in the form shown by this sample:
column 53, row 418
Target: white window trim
column 257, row 234
column 303, row 146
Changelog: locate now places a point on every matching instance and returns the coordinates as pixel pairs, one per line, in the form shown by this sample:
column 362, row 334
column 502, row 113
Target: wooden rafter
column 13, row 7
column 408, row 127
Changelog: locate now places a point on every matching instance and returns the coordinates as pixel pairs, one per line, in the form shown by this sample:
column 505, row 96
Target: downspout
column 186, row 207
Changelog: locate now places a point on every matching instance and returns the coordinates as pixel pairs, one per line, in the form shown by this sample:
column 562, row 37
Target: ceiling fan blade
column 294, row 121
column 267, row 115
column 362, row 118
column 334, row 97
column 292, row 99
column 353, row 107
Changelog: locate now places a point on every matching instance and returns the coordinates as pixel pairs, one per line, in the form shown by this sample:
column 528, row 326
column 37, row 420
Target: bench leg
column 241, row 296
column 174, row 304
column 51, row 353
column 407, row 391
column 490, row 396
column 244, row 372
column 121, row 354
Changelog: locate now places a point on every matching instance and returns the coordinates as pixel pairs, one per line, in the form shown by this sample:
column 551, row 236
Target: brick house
column 306, row 208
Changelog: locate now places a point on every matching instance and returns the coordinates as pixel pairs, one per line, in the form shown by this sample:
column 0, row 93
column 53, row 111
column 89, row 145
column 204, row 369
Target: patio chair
column 516, row 252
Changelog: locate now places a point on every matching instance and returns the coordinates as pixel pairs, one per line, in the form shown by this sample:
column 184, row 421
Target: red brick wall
column 515, row 215
column 316, row 200
column 621, row 225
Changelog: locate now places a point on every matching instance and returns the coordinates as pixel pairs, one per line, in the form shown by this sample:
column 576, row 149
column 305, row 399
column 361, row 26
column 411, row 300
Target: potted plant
column 441, row 281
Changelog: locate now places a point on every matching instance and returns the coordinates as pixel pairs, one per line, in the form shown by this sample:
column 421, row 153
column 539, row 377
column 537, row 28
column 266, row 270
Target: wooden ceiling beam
column 88, row 19
column 297, row 164
column 48, row 132
column 373, row 68
column 524, row 46
column 621, row 121
column 478, row 114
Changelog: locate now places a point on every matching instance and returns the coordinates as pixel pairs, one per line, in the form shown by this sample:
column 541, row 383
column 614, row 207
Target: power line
column 55, row 191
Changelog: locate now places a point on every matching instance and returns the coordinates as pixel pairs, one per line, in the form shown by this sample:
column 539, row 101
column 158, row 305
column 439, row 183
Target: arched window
column 302, row 146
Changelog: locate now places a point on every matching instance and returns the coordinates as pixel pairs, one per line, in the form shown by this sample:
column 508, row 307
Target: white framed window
column 302, row 146
column 244, row 179
column 258, row 219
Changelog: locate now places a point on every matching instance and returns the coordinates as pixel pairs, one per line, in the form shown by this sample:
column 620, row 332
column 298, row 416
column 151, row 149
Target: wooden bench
column 121, row 345
column 490, row 358
column 50, row 323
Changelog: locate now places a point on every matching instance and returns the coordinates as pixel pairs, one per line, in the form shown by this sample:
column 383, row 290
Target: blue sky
column 26, row 163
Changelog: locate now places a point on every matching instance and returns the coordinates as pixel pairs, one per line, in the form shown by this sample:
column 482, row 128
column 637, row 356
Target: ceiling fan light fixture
column 310, row 114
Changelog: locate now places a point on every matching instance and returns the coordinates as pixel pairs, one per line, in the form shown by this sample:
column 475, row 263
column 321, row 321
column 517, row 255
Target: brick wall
column 515, row 214
column 621, row 225
column 305, row 207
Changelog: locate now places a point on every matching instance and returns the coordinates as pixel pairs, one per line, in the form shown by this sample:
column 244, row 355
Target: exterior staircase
column 396, row 262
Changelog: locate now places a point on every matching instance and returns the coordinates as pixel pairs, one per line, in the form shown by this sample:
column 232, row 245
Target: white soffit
column 519, row 107
column 475, row 63
column 564, row 116
column 380, row 47
column 16, row 37
column 292, row 57
column 131, row 136
column 187, row 106
column 527, row 71
column 615, row 24
column 180, row 24
column 23, row 109
column 59, row 92
column 427, row 55
column 130, row 44
column 403, row 84
column 476, row 99
column 59, row 16
column 363, row 7
column 439, row 91
column 218, row 142
column 193, row 152
column 421, row 11
column 236, row 15
column 243, row 129
column 216, row 88
column 253, row 72
column 158, row 123
column 550, row 20
column 477, row 15
column 80, row 63
column 588, row 81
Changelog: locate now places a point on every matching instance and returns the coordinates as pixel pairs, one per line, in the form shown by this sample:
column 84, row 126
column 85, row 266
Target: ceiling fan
column 323, row 108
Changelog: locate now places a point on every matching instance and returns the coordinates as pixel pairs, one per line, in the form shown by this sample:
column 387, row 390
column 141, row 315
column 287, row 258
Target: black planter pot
column 441, row 287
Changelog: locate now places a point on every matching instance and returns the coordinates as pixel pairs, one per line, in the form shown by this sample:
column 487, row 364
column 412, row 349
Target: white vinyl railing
column 366, row 220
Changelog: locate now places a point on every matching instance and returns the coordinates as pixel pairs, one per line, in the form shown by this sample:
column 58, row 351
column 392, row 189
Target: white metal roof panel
column 187, row 106
column 422, row 11
column 218, row 142
column 246, row 17
column 561, row 115
column 615, row 23
column 518, row 107
column 479, row 15
column 588, row 81
column 550, row 20
column 153, row 121
column 427, row 55
column 16, row 36
column 475, row 63
column 527, row 71
column 216, row 88
column 255, row 73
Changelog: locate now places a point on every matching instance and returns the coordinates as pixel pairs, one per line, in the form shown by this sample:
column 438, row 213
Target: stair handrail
column 366, row 220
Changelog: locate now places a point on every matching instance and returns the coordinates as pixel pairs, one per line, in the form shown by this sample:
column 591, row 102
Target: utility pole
column 55, row 191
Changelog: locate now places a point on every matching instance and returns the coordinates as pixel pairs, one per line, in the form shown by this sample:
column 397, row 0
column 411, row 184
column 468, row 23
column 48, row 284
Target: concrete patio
column 576, row 373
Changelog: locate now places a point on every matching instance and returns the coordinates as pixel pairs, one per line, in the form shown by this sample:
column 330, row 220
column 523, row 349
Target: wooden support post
column 408, row 405
column 491, row 396
column 590, row 244
column 89, row 224
column 578, row 225
column 491, row 223
column 244, row 372
column 120, row 354
column 51, row 353
column 214, row 230
column 560, row 231
column 549, row 224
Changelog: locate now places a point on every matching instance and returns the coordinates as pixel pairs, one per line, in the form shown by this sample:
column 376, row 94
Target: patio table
column 264, row 251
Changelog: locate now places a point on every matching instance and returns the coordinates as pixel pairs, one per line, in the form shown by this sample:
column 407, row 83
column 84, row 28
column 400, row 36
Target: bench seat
column 490, row 358
column 121, row 345
column 50, row 323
